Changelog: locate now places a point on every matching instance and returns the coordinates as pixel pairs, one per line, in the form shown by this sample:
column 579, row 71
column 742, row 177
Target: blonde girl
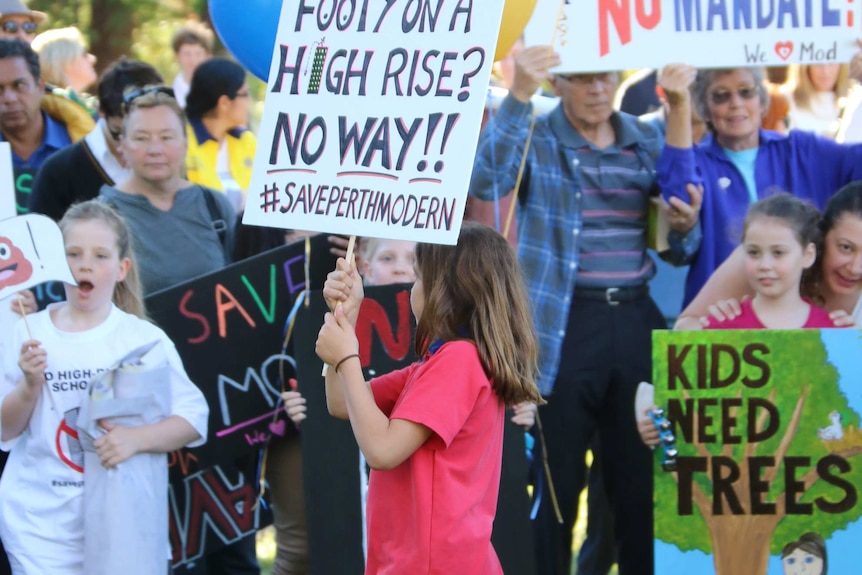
column 46, row 381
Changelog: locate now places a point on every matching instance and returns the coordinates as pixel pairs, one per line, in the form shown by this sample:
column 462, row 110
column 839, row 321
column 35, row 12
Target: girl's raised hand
column 294, row 406
column 336, row 339
column 525, row 414
column 725, row 309
column 119, row 444
column 344, row 286
column 33, row 361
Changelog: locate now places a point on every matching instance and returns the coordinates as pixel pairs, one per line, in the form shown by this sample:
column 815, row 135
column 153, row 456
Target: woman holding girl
column 433, row 432
column 45, row 383
column 835, row 281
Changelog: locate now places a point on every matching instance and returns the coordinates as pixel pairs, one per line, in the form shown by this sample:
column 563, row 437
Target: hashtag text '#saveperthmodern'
column 345, row 202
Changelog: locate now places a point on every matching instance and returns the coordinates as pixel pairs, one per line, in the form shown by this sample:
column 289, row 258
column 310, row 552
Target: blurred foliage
column 140, row 29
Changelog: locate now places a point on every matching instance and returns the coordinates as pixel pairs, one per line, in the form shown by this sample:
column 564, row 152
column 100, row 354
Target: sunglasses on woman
column 130, row 97
column 723, row 96
column 11, row 27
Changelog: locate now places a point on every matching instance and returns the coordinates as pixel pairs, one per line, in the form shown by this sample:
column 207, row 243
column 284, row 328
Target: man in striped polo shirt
column 583, row 204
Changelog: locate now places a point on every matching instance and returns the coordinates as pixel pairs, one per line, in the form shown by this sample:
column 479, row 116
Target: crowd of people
column 148, row 182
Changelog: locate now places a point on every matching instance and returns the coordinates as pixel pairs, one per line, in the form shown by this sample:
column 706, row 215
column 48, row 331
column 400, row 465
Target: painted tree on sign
column 753, row 472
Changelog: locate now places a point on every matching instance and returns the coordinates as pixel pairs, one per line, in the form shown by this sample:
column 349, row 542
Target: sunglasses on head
column 723, row 96
column 11, row 27
column 128, row 99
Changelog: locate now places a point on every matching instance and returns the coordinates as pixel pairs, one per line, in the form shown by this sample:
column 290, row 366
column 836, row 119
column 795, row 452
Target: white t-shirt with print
column 41, row 523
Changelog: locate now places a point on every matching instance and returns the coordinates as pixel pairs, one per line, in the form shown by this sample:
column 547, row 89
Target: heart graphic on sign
column 784, row 49
column 277, row 427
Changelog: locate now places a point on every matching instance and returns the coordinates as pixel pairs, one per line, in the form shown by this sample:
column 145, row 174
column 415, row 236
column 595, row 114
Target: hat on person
column 16, row 7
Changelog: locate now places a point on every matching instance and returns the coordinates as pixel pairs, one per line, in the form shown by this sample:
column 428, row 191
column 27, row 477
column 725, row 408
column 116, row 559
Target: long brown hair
column 128, row 295
column 474, row 291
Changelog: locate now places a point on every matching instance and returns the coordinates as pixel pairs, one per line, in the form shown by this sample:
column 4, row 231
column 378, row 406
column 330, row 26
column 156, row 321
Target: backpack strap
column 219, row 225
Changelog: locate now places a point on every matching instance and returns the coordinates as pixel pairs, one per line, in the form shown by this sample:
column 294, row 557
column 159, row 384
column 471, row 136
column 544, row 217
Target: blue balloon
column 248, row 29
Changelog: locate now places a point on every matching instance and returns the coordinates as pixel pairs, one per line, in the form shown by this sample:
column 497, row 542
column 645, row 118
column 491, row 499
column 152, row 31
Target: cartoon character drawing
column 805, row 556
column 834, row 432
column 15, row 268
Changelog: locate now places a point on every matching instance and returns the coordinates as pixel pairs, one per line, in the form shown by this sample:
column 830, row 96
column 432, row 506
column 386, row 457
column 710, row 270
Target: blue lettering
column 830, row 17
column 786, row 7
column 809, row 11
column 742, row 14
column 683, row 8
column 764, row 19
column 716, row 8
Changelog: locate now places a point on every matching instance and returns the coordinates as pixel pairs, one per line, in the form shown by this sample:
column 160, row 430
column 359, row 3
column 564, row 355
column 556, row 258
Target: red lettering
column 648, row 21
column 224, row 303
column 202, row 505
column 619, row 12
column 244, row 493
column 205, row 333
column 372, row 314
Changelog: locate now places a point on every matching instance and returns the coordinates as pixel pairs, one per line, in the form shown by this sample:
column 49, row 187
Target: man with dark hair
column 35, row 124
column 76, row 173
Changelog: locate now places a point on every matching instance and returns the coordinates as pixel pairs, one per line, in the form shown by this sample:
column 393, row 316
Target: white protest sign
column 596, row 35
column 7, row 182
column 372, row 116
column 31, row 253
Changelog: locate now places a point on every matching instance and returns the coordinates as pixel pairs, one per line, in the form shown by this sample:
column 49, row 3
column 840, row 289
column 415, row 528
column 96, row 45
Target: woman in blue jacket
column 737, row 163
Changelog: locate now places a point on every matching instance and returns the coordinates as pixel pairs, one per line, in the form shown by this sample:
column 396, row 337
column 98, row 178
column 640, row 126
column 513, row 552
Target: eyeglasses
column 130, row 97
column 11, row 27
column 720, row 97
column 587, row 79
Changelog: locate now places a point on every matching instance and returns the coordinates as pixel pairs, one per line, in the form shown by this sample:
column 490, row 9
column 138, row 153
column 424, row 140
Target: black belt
column 614, row 295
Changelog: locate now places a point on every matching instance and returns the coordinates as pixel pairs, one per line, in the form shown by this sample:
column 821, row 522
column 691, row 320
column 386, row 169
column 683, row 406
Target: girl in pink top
column 779, row 239
column 433, row 432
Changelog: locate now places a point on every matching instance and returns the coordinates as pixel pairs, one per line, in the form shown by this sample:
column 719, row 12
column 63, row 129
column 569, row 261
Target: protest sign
column 7, row 183
column 372, row 115
column 625, row 34
column 228, row 329
column 767, row 430
column 31, row 252
column 385, row 330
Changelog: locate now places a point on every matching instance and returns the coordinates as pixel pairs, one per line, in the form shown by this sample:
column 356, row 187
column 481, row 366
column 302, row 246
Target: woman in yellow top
column 221, row 148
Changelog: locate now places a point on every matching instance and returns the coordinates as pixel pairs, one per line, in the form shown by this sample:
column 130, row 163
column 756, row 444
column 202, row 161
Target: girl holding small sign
column 46, row 382
column 433, row 432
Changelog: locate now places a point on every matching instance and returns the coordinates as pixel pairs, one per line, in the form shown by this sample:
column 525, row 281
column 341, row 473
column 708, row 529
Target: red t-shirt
column 433, row 514
column 817, row 318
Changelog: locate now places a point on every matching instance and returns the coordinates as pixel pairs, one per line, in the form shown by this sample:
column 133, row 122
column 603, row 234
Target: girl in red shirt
column 433, row 432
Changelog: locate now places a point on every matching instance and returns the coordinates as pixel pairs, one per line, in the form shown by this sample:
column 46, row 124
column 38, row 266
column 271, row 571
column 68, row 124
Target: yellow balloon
column 516, row 14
